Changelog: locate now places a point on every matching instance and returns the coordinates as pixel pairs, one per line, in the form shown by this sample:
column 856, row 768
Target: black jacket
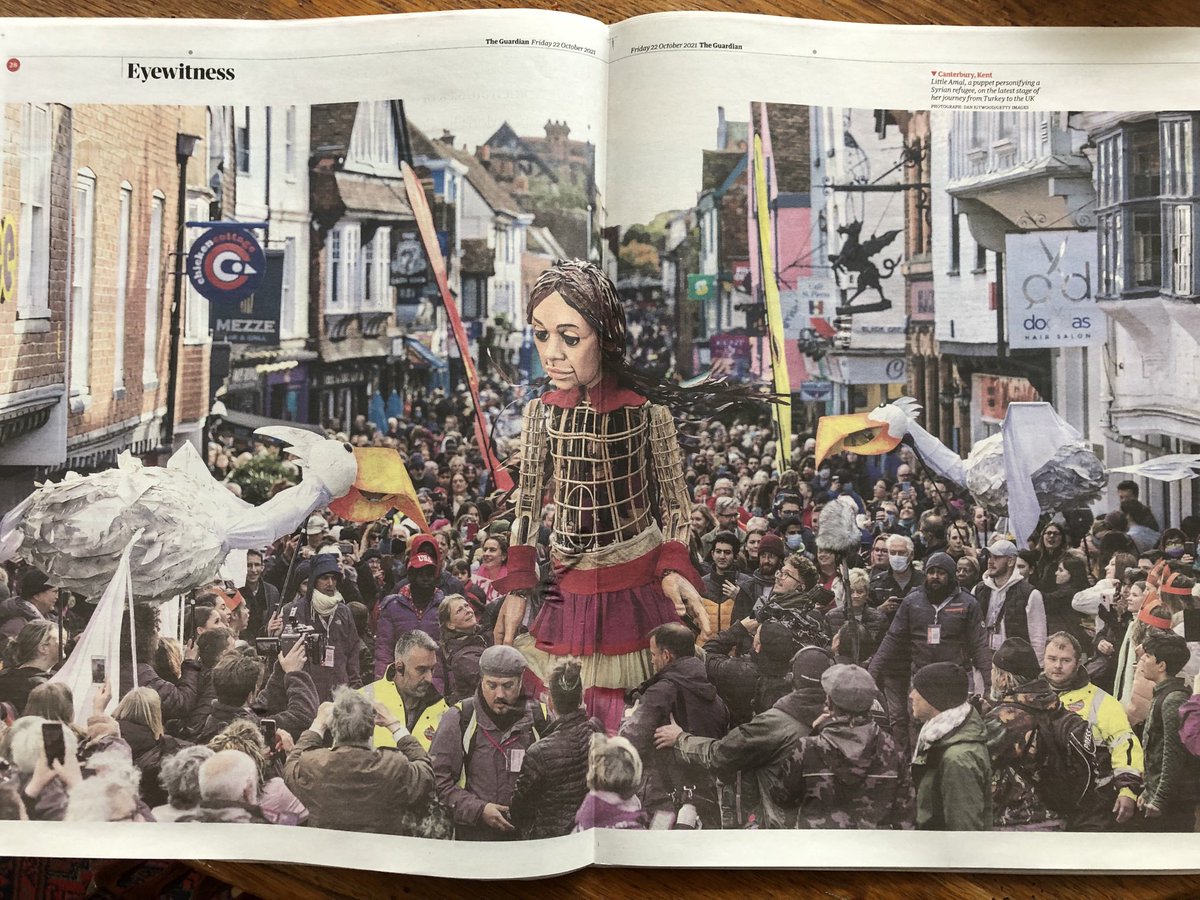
column 291, row 699
column 680, row 690
column 553, row 780
column 15, row 685
column 148, row 756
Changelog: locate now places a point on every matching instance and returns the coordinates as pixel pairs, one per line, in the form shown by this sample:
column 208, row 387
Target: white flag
column 1032, row 434
column 100, row 640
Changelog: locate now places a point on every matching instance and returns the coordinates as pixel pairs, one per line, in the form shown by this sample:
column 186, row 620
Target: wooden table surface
column 313, row 882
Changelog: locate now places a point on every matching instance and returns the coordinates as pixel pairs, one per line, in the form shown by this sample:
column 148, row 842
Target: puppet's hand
column 509, row 619
column 686, row 598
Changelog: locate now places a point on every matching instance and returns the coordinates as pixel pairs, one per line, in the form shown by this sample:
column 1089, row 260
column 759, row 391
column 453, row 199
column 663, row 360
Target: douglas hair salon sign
column 1049, row 294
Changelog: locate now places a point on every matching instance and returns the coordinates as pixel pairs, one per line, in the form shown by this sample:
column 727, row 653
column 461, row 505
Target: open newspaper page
column 264, row 345
column 951, row 585
column 583, row 442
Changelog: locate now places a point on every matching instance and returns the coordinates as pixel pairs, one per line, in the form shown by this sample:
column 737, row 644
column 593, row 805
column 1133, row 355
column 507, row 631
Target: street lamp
column 185, row 144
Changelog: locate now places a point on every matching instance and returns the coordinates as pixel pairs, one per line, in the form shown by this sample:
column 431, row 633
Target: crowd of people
column 928, row 674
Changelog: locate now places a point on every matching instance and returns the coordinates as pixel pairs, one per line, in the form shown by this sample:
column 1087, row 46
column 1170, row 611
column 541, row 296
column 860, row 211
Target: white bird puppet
column 75, row 530
column 1038, row 463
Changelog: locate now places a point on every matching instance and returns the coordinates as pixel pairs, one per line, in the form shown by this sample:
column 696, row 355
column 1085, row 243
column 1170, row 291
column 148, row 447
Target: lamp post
column 185, row 144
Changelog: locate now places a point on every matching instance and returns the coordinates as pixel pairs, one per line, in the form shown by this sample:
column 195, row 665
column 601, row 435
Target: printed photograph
column 358, row 473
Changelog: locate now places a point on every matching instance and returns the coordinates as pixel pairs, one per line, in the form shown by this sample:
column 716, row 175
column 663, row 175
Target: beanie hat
column 943, row 685
column 779, row 643
column 772, row 543
column 808, row 665
column 940, row 561
column 1016, row 655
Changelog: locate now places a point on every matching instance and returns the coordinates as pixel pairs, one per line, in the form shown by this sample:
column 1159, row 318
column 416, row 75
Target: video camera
column 314, row 641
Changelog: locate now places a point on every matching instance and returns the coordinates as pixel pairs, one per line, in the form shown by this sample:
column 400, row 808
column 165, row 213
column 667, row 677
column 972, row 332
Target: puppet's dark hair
column 589, row 292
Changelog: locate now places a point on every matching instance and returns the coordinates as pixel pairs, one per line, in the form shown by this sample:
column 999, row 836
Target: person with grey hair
column 407, row 691
column 44, row 788
column 180, row 778
column 104, row 799
column 228, row 790
column 354, row 786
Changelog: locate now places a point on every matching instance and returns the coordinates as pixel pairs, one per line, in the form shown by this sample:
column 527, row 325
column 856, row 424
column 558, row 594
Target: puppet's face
column 568, row 346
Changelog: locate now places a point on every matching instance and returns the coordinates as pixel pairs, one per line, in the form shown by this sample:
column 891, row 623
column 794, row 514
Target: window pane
column 1147, row 249
column 1144, row 163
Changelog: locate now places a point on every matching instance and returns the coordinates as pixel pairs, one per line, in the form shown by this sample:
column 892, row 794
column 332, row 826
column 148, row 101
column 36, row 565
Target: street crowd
column 933, row 676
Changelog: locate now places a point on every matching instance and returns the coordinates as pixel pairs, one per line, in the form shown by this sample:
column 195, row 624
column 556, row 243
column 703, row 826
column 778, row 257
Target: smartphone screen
column 52, row 740
column 98, row 670
column 268, row 732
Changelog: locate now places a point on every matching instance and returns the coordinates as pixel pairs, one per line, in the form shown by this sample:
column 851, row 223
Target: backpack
column 1071, row 765
column 467, row 728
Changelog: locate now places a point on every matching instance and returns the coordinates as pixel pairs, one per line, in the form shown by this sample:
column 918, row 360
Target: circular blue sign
column 226, row 264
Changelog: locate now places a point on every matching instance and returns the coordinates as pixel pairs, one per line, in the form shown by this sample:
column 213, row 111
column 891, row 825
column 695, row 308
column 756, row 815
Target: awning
column 244, row 424
column 422, row 355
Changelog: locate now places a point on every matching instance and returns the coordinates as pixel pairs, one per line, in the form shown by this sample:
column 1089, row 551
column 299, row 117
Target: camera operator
column 290, row 696
column 320, row 611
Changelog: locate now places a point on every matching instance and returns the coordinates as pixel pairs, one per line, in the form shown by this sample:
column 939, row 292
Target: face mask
column 897, row 562
column 1173, row 552
column 794, row 541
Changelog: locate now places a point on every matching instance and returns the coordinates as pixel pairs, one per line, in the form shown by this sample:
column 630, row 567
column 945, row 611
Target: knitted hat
column 808, row 665
column 779, row 643
column 943, row 685
column 940, row 561
column 502, row 661
column 1016, row 655
column 849, row 687
column 772, row 543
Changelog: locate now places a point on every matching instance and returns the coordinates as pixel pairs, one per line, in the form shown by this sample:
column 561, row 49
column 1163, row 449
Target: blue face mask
column 794, row 541
column 1173, row 552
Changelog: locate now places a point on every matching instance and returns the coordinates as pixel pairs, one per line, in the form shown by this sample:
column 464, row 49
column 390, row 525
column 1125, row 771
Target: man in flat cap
column 849, row 773
column 480, row 747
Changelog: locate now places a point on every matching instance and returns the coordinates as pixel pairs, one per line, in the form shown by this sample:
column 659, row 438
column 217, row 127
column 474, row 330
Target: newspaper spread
column 586, row 440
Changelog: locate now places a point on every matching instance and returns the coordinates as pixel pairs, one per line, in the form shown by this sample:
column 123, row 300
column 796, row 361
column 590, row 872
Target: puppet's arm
column 522, row 575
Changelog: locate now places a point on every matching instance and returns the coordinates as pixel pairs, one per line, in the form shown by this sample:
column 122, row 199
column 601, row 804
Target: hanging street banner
column 1049, row 294
column 226, row 263
column 702, row 287
column 8, row 258
column 255, row 319
column 736, row 349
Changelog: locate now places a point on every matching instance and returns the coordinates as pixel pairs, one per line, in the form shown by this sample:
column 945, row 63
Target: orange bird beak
column 854, row 432
column 382, row 484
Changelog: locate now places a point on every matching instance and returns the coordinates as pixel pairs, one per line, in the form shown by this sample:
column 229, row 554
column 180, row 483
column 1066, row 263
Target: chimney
column 447, row 138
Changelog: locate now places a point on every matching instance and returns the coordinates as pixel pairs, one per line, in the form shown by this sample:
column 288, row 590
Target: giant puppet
column 1037, row 464
column 603, row 440
column 182, row 522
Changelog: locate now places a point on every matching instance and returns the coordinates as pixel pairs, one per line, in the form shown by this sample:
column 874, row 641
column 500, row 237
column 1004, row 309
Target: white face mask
column 897, row 562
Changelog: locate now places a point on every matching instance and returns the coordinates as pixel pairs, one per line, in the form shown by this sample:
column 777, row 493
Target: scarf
column 325, row 604
column 939, row 726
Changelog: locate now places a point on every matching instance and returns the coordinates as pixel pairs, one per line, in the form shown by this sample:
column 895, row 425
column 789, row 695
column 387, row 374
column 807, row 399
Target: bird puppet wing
column 1171, row 467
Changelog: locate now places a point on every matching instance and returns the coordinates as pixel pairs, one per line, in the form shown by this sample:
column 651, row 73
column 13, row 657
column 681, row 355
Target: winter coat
column 759, row 748
column 1171, row 772
column 553, row 779
column 148, row 755
column 741, row 681
column 471, row 772
column 953, row 777
column 206, row 695
column 16, row 685
column 1015, row 609
column 873, row 621
column 458, row 660
column 398, row 614
column 15, row 614
column 263, row 603
column 905, row 648
column 883, row 584
column 1110, row 727
column 604, row 809
column 177, row 699
column 1061, row 615
column 720, row 610
column 359, row 788
column 1017, row 757
column 424, row 722
column 226, row 811
column 850, row 774
column 342, row 635
column 290, row 698
column 680, row 690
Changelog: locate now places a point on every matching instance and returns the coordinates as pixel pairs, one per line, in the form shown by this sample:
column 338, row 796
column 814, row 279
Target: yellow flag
column 766, row 256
